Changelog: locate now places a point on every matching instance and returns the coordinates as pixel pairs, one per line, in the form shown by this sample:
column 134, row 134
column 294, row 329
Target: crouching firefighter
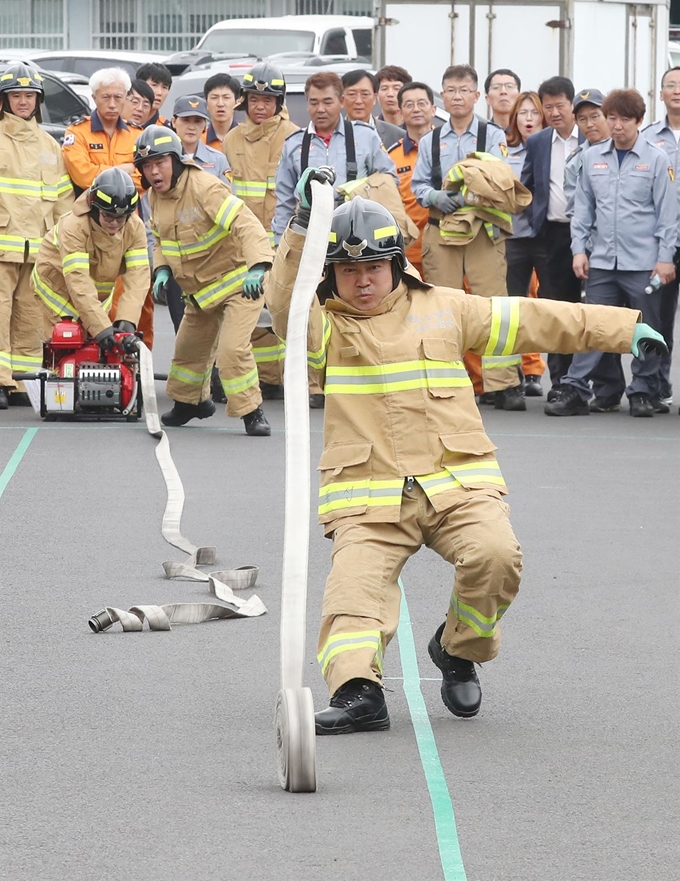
column 218, row 251
column 80, row 259
column 406, row 461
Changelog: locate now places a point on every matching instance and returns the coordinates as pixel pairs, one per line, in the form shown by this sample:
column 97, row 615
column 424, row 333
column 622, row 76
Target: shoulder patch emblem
column 671, row 173
column 504, row 150
column 69, row 138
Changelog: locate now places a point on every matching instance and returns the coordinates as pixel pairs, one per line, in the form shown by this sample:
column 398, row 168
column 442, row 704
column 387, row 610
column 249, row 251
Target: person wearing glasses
column 665, row 133
column 482, row 258
column 501, row 88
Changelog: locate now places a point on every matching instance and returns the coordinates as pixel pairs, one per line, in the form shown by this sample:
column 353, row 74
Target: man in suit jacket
column 359, row 95
column 543, row 174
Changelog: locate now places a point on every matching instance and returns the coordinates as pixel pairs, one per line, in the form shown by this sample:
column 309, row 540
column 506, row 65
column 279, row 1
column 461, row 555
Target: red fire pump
column 82, row 380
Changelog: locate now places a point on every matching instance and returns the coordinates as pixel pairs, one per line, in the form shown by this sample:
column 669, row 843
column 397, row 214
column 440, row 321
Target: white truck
column 599, row 44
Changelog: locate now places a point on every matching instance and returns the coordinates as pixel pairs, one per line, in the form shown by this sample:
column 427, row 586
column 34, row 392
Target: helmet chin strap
column 178, row 167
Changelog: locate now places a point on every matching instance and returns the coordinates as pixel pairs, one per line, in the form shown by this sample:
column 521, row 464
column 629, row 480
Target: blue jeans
column 615, row 287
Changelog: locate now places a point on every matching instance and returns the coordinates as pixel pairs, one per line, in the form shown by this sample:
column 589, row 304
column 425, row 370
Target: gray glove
column 106, row 339
column 447, row 202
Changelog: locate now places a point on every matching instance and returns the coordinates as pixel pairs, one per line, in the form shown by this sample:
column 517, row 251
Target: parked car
column 88, row 61
column 347, row 35
column 62, row 105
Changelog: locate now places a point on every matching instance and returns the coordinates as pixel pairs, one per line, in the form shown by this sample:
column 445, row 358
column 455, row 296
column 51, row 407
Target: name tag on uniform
column 660, row 143
column 208, row 165
column 403, row 169
column 96, row 146
column 600, row 165
column 642, row 167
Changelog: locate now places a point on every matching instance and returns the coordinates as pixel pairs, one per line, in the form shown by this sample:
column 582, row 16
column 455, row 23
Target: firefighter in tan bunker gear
column 218, row 252
column 406, row 461
column 253, row 150
column 100, row 240
column 35, row 191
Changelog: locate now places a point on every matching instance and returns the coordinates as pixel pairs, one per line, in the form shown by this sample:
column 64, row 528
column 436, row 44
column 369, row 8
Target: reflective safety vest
column 35, row 189
column 78, row 264
column 399, row 404
column 207, row 237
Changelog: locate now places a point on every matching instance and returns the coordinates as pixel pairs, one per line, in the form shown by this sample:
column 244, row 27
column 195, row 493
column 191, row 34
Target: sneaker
column 553, row 393
column 605, row 404
column 181, row 413
column 567, row 402
column 4, row 403
column 487, row 398
column 271, row 392
column 510, row 399
column 658, row 404
column 641, row 404
column 256, row 424
column 317, row 402
column 461, row 691
column 358, row 705
column 533, row 387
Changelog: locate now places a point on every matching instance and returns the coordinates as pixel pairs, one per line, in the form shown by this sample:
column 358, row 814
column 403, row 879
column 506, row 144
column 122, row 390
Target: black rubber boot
column 19, row 399
column 317, row 402
column 216, row 390
column 532, row 386
column 461, row 691
column 358, row 705
column 256, row 424
column 4, row 403
column 181, row 413
column 271, row 392
column 510, row 399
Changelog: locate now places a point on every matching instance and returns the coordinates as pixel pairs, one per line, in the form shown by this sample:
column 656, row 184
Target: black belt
column 433, row 220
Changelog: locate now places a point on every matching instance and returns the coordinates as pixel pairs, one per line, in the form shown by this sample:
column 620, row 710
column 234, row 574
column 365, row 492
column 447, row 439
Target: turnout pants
column 362, row 597
column 561, row 284
column 21, row 323
column 269, row 353
column 230, row 323
column 482, row 262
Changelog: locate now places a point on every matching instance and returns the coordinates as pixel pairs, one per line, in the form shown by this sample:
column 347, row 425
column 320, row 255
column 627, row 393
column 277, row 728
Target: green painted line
column 442, row 807
column 16, row 458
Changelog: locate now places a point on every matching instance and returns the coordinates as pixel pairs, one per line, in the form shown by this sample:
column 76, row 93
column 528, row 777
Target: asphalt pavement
column 151, row 756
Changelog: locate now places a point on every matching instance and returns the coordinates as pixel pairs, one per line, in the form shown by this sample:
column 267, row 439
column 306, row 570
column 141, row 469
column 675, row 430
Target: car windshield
column 257, row 41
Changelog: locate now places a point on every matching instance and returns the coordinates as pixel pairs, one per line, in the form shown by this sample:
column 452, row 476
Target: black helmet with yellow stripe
column 155, row 142
column 264, row 79
column 365, row 230
column 112, row 192
column 21, row 76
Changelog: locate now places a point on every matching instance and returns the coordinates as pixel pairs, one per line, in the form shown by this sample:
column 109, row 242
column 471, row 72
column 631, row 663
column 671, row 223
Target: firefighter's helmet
column 155, row 142
column 112, row 192
column 365, row 230
column 264, row 79
column 22, row 77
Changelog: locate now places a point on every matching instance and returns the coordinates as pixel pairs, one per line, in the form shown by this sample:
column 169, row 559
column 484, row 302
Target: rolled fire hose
column 294, row 720
column 221, row 583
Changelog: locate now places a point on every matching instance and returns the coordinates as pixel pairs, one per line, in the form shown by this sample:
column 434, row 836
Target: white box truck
column 601, row 44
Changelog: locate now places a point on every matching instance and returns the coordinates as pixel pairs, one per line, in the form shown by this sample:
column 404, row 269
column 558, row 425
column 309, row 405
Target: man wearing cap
column 190, row 119
column 253, row 150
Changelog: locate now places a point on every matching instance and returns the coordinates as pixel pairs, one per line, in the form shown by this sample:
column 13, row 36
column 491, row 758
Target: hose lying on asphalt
column 221, row 583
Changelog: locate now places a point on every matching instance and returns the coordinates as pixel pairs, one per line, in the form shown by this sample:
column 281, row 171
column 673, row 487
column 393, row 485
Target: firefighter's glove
column 124, row 326
column 253, row 286
column 160, row 286
column 303, row 189
column 647, row 341
column 446, row 201
column 106, row 339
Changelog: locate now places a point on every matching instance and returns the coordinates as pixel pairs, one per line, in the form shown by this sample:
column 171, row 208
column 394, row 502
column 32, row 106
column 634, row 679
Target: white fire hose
column 222, row 584
column 294, row 722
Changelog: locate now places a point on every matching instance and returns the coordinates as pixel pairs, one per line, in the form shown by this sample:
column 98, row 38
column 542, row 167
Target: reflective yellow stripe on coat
column 37, row 189
column 225, row 217
column 390, row 378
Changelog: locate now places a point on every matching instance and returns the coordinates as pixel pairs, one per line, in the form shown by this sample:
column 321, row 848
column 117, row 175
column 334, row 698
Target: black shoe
column 4, row 403
column 487, row 398
column 21, row 399
column 510, row 399
column 461, row 691
column 659, row 405
column 181, row 413
column 271, row 392
column 553, row 393
column 358, row 705
column 567, row 402
column 317, row 402
column 605, row 404
column 532, row 386
column 256, row 423
column 641, row 404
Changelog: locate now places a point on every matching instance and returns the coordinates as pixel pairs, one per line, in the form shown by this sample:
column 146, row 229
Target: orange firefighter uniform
column 78, row 264
column 253, row 151
column 35, row 191
column 404, row 154
column 406, row 460
column 209, row 239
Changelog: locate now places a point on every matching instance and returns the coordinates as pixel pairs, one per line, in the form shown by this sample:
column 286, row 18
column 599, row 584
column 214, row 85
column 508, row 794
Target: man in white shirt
column 543, row 174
